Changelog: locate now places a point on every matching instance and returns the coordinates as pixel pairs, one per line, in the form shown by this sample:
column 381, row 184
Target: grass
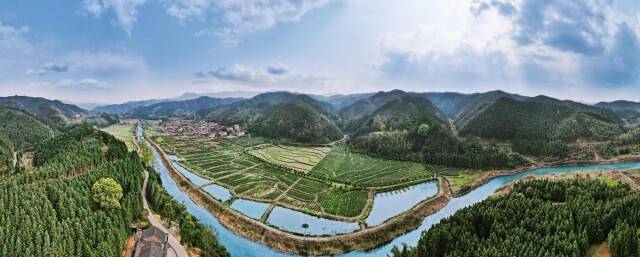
column 461, row 177
column 298, row 158
column 124, row 133
column 344, row 166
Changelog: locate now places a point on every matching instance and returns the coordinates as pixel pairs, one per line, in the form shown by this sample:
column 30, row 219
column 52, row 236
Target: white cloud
column 126, row 11
column 242, row 17
column 273, row 76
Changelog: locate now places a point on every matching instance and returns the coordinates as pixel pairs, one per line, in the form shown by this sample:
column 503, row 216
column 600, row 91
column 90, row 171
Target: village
column 205, row 129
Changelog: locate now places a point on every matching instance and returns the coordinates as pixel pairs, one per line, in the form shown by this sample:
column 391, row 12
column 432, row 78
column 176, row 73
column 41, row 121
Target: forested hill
column 54, row 113
column 353, row 113
column 539, row 218
column 49, row 211
column 620, row 105
column 19, row 131
column 300, row 120
column 184, row 108
column 475, row 103
column 508, row 119
column 247, row 111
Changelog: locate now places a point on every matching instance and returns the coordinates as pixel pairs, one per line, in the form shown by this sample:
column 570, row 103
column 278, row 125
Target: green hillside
column 246, row 112
column 22, row 129
column 509, row 119
column 300, row 120
column 352, row 116
column 179, row 108
column 473, row 104
column 54, row 113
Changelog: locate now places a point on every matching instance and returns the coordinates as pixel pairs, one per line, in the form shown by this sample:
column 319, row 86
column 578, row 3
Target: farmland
column 124, row 133
column 224, row 162
column 360, row 170
column 299, row 159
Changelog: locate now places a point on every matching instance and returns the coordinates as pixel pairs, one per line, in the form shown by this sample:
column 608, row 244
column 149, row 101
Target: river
column 241, row 247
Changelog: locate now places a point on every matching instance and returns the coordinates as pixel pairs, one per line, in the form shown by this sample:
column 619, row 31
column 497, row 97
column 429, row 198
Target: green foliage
column 107, row 193
column 538, row 218
column 55, row 114
column 48, row 212
column 509, row 119
column 192, row 232
column 623, row 241
column 423, row 129
column 299, row 121
column 22, row 129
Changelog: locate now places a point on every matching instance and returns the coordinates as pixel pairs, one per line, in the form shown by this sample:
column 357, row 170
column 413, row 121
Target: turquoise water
column 218, row 192
column 195, row 179
column 389, row 204
column 241, row 247
column 290, row 220
column 250, row 208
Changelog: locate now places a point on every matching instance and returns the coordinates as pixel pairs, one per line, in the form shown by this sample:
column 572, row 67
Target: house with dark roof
column 151, row 242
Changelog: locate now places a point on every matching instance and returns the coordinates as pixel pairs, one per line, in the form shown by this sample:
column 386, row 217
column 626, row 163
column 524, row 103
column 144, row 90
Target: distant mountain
column 464, row 110
column 360, row 109
column 54, row 113
column 125, row 108
column 446, row 101
column 339, row 102
column 179, row 108
column 620, row 105
column 302, row 120
column 542, row 118
column 247, row 111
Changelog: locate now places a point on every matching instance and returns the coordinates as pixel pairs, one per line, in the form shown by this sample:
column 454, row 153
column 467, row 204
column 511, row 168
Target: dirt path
column 266, row 213
column 176, row 249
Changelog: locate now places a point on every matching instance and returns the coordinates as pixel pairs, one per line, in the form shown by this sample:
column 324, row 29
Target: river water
column 239, row 246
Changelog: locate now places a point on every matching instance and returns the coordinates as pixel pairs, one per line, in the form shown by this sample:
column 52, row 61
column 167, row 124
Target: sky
column 110, row 51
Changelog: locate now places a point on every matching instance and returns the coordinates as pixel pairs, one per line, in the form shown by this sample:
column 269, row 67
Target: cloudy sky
column 118, row 50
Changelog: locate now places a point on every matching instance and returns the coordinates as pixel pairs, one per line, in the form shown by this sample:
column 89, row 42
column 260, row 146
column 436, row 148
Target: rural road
column 178, row 249
column 15, row 158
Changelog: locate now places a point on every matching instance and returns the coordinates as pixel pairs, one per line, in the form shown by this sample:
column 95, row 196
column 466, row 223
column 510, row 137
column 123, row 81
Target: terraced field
column 225, row 163
column 299, row 159
column 344, row 166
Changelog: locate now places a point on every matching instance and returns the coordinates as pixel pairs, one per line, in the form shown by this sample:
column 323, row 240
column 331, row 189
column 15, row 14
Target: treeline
column 192, row 232
column 436, row 147
column 49, row 212
column 539, row 218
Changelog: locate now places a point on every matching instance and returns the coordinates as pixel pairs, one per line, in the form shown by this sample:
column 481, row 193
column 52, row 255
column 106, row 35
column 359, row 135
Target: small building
column 151, row 242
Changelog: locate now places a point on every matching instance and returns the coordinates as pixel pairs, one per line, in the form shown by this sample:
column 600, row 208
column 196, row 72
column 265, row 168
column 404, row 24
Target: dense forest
column 49, row 211
column 539, row 218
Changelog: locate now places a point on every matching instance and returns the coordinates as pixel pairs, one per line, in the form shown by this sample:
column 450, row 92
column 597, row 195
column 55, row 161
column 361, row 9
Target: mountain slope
column 22, row 129
column 353, row 114
column 55, row 113
column 179, row 108
column 446, row 101
column 300, row 120
column 391, row 131
column 620, row 105
column 474, row 103
column 247, row 111
column 541, row 119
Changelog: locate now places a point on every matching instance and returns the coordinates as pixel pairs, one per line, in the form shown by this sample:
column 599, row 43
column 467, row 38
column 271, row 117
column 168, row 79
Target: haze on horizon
column 112, row 51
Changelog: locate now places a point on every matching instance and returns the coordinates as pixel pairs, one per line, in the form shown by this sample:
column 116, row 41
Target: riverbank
column 367, row 238
column 457, row 192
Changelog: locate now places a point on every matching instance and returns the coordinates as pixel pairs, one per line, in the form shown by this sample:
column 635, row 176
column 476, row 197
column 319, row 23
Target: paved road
column 178, row 250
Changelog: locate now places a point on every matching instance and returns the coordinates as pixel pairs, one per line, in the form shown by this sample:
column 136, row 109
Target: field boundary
column 311, row 245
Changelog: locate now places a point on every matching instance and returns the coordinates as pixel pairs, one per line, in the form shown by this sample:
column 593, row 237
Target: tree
column 107, row 193
column 423, row 129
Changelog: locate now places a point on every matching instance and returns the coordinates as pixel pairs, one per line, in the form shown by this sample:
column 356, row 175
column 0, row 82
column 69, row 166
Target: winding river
column 241, row 247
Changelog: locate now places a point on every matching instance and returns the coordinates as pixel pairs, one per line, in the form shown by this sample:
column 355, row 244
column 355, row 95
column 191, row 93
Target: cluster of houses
column 201, row 129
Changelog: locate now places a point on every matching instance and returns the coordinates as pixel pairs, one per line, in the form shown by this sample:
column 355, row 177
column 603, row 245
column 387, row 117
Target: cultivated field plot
column 225, row 163
column 301, row 159
column 124, row 133
column 344, row 166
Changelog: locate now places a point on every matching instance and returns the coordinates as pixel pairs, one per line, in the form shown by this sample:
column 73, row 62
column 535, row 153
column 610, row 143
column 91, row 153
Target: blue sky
column 119, row 50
